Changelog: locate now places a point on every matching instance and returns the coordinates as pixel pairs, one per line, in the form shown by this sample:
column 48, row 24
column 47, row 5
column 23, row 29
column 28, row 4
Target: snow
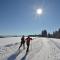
column 40, row 49
column 10, row 40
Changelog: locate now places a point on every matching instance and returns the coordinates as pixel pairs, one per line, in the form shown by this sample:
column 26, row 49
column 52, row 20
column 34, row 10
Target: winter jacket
column 28, row 40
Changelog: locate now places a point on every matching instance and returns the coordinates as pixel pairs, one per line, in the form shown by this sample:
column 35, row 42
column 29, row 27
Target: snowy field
column 40, row 49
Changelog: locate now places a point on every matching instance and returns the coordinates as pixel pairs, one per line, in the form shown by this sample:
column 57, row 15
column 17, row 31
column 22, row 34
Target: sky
column 18, row 17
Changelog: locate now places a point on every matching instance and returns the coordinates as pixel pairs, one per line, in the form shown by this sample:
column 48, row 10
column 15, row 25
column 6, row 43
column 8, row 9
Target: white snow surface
column 40, row 49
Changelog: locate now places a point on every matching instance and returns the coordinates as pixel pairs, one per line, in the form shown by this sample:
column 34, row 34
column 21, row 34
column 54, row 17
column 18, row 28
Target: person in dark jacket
column 22, row 42
column 28, row 42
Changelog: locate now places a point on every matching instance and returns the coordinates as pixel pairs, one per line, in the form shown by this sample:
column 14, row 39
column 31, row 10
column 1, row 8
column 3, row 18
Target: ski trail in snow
column 57, row 44
column 42, row 55
column 38, row 46
column 55, row 51
column 48, row 51
column 40, row 49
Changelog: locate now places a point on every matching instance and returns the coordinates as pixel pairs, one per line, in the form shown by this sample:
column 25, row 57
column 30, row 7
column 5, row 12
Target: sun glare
column 39, row 11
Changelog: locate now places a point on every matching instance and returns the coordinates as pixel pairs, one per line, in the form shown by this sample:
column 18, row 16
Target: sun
column 39, row 11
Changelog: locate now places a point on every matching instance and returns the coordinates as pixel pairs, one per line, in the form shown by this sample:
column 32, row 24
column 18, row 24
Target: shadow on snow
column 24, row 57
column 13, row 56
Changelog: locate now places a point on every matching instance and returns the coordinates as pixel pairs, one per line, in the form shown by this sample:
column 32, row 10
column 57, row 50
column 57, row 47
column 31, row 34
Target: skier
column 22, row 42
column 28, row 43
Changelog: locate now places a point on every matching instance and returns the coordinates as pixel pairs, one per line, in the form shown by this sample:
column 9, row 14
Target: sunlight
column 39, row 11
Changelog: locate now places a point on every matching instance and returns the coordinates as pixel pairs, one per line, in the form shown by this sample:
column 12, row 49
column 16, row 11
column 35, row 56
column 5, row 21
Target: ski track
column 48, row 51
column 35, row 50
column 40, row 49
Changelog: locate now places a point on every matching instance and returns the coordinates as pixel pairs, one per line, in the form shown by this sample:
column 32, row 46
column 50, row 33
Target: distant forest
column 55, row 34
column 44, row 33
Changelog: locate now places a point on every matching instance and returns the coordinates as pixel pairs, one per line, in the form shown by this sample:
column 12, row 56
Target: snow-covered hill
column 40, row 49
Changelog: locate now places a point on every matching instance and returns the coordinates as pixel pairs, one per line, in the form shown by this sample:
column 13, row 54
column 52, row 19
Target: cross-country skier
column 22, row 42
column 28, row 42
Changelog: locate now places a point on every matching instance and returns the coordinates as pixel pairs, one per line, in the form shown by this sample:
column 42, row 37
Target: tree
column 56, row 34
column 50, row 35
column 44, row 33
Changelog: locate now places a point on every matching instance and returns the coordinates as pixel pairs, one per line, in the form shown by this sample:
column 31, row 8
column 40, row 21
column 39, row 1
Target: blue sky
column 19, row 16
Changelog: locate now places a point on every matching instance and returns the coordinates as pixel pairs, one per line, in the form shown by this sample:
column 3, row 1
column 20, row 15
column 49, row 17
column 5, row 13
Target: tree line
column 55, row 34
column 44, row 33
